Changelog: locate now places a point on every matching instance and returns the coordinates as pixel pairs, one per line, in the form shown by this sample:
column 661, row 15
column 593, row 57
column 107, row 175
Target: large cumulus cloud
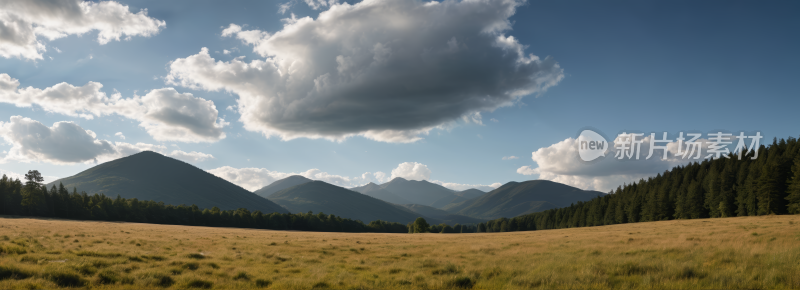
column 389, row 70
column 69, row 143
column 23, row 23
column 166, row 114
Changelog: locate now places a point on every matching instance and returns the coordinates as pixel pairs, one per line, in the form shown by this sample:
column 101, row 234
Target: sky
column 472, row 93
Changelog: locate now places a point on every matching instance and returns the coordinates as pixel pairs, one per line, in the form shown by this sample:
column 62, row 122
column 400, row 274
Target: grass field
column 729, row 253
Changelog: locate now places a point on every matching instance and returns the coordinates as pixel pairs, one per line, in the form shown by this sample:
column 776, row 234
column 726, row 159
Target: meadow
column 722, row 253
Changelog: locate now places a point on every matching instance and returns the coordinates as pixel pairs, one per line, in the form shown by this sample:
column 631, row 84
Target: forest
column 713, row 188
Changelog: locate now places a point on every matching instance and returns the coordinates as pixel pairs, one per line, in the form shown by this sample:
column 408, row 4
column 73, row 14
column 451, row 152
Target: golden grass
column 729, row 253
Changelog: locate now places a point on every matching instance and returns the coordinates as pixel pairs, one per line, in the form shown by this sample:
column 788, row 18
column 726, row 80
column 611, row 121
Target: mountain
column 470, row 193
column 518, row 198
column 318, row 196
column 437, row 216
column 458, row 197
column 151, row 176
column 444, row 201
column 374, row 190
column 282, row 184
column 418, row 192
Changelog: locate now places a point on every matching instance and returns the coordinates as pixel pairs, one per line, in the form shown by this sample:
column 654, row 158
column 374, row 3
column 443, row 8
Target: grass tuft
column 241, row 276
column 197, row 283
column 320, row 285
column 263, row 283
column 196, row 256
column 64, row 278
column 107, row 277
column 11, row 272
column 462, row 282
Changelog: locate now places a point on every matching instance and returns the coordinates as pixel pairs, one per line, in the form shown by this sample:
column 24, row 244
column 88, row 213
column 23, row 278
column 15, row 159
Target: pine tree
column 32, row 195
column 768, row 190
column 793, row 192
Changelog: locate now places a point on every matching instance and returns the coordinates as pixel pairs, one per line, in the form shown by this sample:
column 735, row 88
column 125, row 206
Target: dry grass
column 730, row 253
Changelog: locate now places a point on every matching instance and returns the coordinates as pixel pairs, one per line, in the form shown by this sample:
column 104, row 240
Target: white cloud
column 63, row 143
column 283, row 7
column 494, row 120
column 388, row 70
column 461, row 187
column 255, row 178
column 25, row 23
column 560, row 162
column 319, row 4
column 412, row 171
column 225, row 51
column 172, row 116
column 510, row 157
column 120, row 135
column 68, row 143
column 166, row 114
column 190, row 157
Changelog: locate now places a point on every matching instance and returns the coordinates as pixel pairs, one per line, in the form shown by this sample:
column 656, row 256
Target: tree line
column 713, row 188
column 34, row 199
column 420, row 225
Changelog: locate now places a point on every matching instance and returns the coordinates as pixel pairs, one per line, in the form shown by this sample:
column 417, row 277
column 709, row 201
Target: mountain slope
column 376, row 191
column 151, row 176
column 279, row 185
column 437, row 216
column 418, row 192
column 470, row 193
column 318, row 196
column 517, row 198
column 442, row 202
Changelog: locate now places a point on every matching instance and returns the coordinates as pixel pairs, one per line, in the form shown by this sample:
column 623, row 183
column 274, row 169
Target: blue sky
column 641, row 66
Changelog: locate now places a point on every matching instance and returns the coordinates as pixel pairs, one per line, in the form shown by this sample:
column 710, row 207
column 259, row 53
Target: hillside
column 517, row 198
column 279, row 185
column 152, row 176
column 376, row 191
column 470, row 193
column 448, row 200
column 437, row 216
column 418, row 192
column 318, row 196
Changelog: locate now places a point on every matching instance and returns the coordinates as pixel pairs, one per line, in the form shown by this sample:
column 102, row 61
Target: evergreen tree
column 32, row 195
column 793, row 192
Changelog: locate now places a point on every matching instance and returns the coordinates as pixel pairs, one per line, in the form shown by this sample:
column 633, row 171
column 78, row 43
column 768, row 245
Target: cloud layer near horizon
column 23, row 23
column 68, row 143
column 560, row 162
column 166, row 114
column 388, row 70
column 255, row 178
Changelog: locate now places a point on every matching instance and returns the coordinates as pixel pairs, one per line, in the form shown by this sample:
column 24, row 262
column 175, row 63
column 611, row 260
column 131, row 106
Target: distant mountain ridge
column 151, row 176
column 518, row 198
column 319, row 196
column 282, row 184
column 376, row 191
column 418, row 192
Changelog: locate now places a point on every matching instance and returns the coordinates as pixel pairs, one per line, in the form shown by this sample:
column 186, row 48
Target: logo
column 591, row 145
